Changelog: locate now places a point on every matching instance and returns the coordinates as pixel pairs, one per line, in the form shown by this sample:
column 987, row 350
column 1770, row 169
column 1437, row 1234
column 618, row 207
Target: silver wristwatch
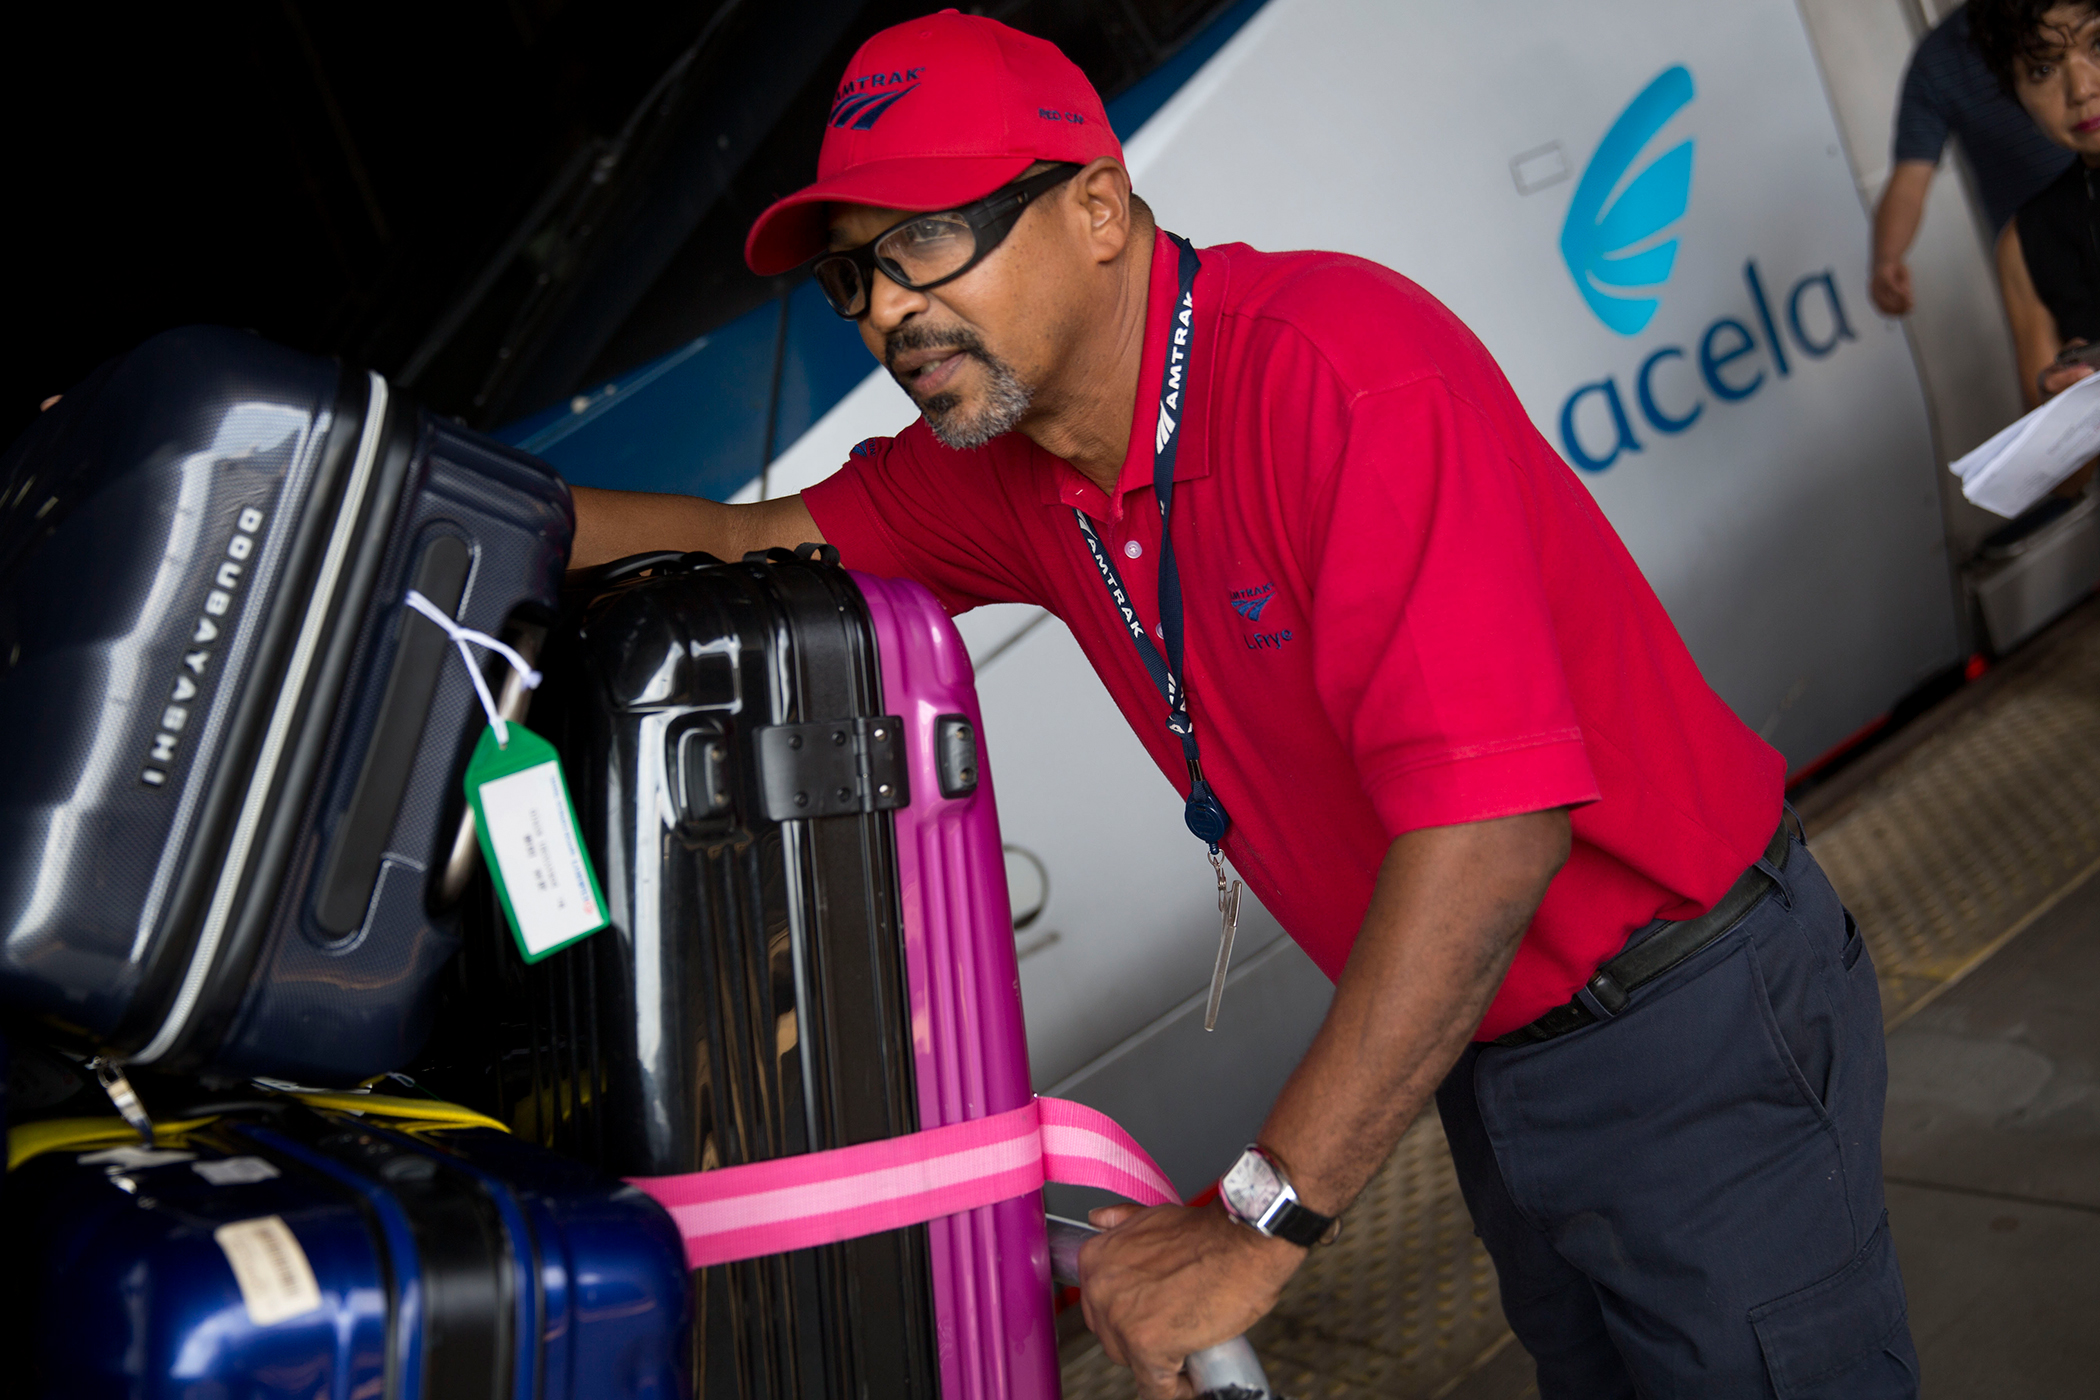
column 1258, row 1194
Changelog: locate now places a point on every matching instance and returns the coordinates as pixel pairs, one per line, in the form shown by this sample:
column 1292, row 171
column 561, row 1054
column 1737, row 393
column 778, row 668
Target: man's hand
column 1163, row 1282
column 1890, row 288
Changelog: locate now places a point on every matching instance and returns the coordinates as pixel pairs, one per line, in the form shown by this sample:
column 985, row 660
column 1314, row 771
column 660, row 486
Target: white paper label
column 234, row 1171
column 276, row 1281
column 131, row 1159
column 537, row 858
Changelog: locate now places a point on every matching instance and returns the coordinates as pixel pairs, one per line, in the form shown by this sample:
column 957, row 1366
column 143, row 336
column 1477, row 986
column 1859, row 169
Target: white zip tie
column 123, row 1096
column 460, row 637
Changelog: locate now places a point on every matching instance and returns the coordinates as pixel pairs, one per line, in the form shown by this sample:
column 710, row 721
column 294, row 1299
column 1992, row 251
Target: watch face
column 1251, row 1187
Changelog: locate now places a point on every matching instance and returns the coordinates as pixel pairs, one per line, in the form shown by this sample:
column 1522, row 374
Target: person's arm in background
column 1920, row 138
column 1896, row 220
column 614, row 524
column 2036, row 341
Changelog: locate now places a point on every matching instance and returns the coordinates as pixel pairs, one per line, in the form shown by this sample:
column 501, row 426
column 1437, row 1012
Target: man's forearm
column 1901, row 210
column 1450, row 907
column 614, row 524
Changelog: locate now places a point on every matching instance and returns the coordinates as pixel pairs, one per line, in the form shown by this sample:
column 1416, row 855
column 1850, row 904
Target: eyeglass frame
column 996, row 214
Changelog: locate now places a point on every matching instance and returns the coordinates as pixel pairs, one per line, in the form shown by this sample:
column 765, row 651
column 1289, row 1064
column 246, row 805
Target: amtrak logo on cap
column 862, row 101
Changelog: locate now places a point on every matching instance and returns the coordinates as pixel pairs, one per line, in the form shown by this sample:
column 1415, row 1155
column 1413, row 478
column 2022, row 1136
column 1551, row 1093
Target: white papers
column 2031, row 455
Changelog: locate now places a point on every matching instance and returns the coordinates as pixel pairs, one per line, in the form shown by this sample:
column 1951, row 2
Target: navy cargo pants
column 1686, row 1199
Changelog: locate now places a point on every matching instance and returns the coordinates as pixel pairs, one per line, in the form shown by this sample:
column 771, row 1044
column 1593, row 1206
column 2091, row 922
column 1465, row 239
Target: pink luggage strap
column 742, row 1212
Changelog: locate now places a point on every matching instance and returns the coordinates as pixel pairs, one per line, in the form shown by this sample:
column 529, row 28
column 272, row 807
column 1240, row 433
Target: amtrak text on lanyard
column 1203, row 812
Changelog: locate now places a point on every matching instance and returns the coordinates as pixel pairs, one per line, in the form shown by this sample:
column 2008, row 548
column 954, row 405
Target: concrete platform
column 1993, row 1162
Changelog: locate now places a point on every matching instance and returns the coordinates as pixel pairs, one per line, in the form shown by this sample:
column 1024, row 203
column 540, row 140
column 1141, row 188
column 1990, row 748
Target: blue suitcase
column 280, row 1251
column 231, row 818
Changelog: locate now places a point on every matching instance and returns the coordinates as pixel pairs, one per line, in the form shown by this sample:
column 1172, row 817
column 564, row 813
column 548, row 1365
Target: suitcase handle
column 807, row 553
column 1227, row 1371
column 358, row 846
column 634, row 565
column 665, row 561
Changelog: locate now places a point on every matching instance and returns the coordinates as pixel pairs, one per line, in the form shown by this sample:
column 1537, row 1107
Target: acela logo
column 1601, row 241
column 1609, row 244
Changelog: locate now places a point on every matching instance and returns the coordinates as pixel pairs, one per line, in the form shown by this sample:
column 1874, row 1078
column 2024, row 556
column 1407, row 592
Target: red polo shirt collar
column 1059, row 483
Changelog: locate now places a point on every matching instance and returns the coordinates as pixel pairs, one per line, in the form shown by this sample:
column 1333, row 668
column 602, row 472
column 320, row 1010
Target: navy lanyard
column 1203, row 812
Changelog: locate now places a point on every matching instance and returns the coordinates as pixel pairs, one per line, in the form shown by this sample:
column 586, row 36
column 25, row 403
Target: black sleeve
column 1921, row 116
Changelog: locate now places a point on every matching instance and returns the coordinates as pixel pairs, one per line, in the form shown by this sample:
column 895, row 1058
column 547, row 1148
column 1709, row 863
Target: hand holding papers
column 2018, row 467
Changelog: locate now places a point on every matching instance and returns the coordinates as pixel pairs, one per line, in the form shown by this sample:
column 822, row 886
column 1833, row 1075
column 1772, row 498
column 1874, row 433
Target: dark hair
column 2004, row 31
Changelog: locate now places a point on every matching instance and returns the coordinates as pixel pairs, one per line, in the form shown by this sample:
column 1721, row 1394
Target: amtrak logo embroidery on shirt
column 1248, row 602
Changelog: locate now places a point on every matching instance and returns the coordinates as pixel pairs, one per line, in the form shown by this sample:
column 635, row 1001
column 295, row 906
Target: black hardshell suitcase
column 231, row 810
column 748, row 1000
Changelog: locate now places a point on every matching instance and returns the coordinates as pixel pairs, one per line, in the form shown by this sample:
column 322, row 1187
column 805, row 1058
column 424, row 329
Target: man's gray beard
column 1006, row 400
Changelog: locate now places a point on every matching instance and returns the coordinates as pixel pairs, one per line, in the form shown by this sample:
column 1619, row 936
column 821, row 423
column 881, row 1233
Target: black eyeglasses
column 926, row 250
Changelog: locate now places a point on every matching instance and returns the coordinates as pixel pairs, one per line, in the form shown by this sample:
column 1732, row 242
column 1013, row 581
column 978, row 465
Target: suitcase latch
column 955, row 754
column 833, row 768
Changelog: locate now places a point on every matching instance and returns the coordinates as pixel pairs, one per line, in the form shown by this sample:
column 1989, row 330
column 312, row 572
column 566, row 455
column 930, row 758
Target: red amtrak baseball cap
column 931, row 114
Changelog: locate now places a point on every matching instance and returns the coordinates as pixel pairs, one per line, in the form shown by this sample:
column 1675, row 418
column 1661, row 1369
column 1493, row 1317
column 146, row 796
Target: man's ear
column 1103, row 190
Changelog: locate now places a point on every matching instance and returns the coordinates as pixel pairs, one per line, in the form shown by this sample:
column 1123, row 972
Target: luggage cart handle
column 1227, row 1371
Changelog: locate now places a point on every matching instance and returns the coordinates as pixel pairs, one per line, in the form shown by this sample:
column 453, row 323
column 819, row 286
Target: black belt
column 1658, row 953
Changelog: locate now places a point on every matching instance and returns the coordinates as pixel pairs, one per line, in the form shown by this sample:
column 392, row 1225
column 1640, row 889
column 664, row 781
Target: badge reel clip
column 1206, row 817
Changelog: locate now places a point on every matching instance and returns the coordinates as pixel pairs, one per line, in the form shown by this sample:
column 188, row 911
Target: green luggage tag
column 530, row 839
column 523, row 817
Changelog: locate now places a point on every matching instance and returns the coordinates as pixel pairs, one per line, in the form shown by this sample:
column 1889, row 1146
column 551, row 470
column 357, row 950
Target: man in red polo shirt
column 1416, row 689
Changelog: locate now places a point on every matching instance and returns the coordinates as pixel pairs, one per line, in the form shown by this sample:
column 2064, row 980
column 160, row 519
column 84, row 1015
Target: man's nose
column 889, row 304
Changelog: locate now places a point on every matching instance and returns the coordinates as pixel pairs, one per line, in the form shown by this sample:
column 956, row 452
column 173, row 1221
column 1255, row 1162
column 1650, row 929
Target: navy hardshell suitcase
column 281, row 1251
column 231, row 813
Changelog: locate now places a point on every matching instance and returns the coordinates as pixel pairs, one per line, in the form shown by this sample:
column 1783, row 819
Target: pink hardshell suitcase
column 991, row 1266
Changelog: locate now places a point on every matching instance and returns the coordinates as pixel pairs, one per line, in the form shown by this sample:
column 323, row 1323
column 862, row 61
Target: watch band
column 1289, row 1220
column 1286, row 1218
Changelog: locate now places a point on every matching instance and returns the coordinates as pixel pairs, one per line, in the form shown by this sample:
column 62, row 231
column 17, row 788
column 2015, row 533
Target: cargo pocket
column 1855, row 942
column 1847, row 1336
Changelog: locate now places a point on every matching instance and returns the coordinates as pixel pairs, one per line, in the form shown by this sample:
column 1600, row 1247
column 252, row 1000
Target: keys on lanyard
column 1229, row 918
column 1203, row 812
